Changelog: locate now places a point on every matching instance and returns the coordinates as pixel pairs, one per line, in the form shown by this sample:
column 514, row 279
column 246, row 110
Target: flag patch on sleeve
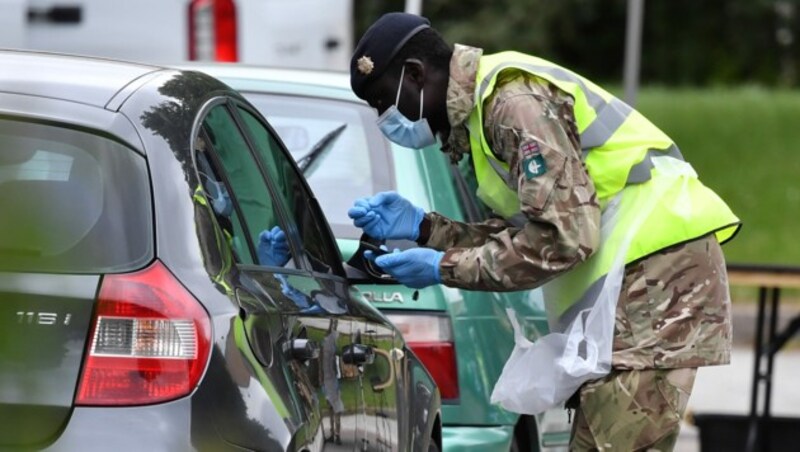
column 532, row 161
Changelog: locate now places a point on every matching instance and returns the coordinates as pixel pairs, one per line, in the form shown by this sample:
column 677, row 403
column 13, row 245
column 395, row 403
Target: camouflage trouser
column 631, row 410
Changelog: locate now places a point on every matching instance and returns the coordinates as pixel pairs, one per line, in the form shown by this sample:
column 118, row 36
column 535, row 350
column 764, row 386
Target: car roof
column 86, row 80
column 304, row 82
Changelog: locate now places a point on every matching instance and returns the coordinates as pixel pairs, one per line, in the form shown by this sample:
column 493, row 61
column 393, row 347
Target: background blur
column 685, row 42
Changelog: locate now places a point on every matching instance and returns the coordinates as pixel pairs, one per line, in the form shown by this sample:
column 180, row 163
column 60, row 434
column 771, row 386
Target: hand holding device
column 415, row 268
column 387, row 215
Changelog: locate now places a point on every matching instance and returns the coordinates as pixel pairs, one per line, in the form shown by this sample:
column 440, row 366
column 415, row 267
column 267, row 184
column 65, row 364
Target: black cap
column 380, row 44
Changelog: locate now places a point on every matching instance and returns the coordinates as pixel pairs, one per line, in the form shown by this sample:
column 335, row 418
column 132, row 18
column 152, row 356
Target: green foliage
column 712, row 42
column 743, row 143
column 685, row 42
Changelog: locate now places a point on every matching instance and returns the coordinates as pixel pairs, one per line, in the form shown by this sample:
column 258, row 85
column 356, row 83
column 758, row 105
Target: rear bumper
column 154, row 428
column 466, row 439
column 158, row 427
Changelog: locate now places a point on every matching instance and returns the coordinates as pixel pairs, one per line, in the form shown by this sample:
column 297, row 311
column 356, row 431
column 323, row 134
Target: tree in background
column 685, row 42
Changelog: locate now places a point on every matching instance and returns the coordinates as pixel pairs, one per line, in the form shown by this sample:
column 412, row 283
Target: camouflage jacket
column 674, row 310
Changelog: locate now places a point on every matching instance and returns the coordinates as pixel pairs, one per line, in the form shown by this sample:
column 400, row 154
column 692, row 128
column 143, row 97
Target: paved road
column 726, row 390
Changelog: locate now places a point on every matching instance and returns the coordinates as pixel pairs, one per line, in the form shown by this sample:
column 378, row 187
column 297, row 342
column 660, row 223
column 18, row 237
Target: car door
column 384, row 404
column 376, row 349
column 315, row 328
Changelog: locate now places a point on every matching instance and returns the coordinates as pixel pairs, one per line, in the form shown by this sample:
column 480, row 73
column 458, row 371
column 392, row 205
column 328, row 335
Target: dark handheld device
column 360, row 262
column 376, row 250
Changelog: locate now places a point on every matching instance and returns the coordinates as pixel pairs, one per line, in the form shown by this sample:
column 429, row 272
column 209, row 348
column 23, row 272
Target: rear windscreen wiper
column 318, row 150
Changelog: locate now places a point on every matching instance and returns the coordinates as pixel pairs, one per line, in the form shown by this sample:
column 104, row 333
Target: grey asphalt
column 726, row 390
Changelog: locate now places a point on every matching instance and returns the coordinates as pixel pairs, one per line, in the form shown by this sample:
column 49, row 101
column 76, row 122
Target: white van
column 312, row 34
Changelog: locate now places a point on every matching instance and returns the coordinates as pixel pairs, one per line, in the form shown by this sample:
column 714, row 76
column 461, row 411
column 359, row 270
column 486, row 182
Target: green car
column 462, row 337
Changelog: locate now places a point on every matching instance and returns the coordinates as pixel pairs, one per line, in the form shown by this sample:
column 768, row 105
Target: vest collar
column 461, row 97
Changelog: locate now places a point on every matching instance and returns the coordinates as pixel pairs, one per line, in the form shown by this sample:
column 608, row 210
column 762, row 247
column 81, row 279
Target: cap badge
column 365, row 65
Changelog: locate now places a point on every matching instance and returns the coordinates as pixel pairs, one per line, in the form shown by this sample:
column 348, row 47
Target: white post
column 633, row 49
column 414, row 7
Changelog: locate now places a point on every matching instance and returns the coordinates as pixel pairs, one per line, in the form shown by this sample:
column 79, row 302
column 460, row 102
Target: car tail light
column 149, row 342
column 431, row 339
column 212, row 30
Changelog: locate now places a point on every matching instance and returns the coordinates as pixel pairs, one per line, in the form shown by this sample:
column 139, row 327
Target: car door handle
column 358, row 354
column 56, row 14
column 331, row 44
column 378, row 385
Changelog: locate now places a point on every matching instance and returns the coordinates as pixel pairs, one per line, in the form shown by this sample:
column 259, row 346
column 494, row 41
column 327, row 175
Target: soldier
column 557, row 158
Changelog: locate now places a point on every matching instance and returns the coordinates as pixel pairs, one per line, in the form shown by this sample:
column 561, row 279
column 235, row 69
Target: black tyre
column 526, row 436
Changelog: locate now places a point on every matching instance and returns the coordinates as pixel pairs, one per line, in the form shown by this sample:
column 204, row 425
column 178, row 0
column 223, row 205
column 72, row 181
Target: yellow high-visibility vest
column 629, row 161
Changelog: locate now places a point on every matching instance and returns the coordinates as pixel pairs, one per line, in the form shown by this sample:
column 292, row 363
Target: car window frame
column 302, row 267
column 285, row 220
column 337, row 266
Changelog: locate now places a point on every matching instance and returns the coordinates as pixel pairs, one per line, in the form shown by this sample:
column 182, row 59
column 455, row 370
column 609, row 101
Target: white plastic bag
column 541, row 375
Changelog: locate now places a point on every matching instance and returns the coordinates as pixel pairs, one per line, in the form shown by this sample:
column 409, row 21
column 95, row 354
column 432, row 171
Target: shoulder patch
column 531, row 159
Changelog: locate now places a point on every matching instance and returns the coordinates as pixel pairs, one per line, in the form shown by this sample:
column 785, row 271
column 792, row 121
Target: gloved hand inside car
column 273, row 248
column 415, row 268
column 387, row 215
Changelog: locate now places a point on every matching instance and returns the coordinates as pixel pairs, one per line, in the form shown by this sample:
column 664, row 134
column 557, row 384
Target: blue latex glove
column 387, row 215
column 288, row 290
column 415, row 268
column 273, row 248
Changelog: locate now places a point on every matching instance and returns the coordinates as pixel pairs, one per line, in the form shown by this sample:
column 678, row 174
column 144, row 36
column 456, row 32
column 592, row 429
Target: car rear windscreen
column 71, row 201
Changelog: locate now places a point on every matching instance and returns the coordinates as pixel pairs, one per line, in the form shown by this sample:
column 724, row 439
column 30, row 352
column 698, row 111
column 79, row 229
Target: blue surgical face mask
column 218, row 194
column 403, row 131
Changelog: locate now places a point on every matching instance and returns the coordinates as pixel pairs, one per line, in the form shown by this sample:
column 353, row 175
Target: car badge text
column 42, row 318
column 384, row 297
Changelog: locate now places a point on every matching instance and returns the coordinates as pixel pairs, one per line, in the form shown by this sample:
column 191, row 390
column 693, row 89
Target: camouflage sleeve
column 530, row 124
column 446, row 233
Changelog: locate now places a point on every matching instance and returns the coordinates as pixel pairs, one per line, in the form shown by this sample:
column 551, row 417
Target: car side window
column 295, row 197
column 247, row 209
column 217, row 198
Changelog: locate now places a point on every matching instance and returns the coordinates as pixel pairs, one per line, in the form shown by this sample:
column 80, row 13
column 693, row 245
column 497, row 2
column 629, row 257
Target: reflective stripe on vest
column 639, row 172
column 627, row 157
column 609, row 115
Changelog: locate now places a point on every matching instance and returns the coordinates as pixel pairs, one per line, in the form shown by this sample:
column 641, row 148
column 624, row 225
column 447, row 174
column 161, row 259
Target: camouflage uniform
column 647, row 407
column 674, row 310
